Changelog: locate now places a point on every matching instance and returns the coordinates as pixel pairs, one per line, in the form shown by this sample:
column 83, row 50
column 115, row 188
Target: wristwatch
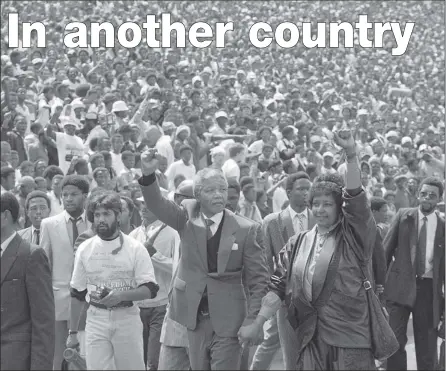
column 70, row 332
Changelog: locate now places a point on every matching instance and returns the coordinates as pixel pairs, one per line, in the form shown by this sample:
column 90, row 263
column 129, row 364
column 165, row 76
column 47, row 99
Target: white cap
column 67, row 120
column 77, row 103
column 219, row 114
column 37, row 61
column 119, row 106
column 406, row 140
column 328, row 154
column 196, row 78
column 391, row 133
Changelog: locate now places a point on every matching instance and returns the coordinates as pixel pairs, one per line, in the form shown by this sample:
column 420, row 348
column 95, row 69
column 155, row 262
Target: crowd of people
column 248, row 130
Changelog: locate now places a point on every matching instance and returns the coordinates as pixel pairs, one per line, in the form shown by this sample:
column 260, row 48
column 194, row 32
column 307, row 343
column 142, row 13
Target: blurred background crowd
column 257, row 114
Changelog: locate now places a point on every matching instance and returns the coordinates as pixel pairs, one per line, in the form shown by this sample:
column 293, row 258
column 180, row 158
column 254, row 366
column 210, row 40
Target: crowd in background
column 259, row 115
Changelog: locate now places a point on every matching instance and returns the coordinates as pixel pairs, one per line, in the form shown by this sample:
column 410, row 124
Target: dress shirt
column 6, row 243
column 81, row 225
column 295, row 219
column 431, row 228
column 216, row 219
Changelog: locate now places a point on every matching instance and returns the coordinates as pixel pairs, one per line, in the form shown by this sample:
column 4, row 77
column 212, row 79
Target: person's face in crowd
column 364, row 179
column 378, row 149
column 267, row 152
column 40, row 168
column 328, row 162
column 72, row 59
column 72, row 74
column 27, row 187
column 151, row 80
column 162, row 164
column 13, row 100
column 50, row 63
column 182, row 135
column 213, row 195
column 9, row 182
column 401, row 184
column 14, row 84
column 117, row 143
column 325, row 210
column 186, row 156
column 98, row 162
column 103, row 179
column 15, row 160
column 218, row 159
column 265, row 135
column 27, row 170
column 277, row 169
column 129, row 162
column 428, row 196
column 298, row 195
column 104, row 145
column 134, row 135
column 83, row 56
column 125, row 214
column 412, row 185
column 376, row 168
column 21, row 126
column 233, row 199
column 196, row 99
column 393, row 170
column 69, row 129
column 250, row 195
column 21, row 94
column 37, row 211
column 73, row 199
column 106, row 222
column 380, row 215
column 389, row 185
column 60, row 75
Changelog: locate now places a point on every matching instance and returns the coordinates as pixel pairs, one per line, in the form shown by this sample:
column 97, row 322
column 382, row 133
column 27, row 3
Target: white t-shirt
column 177, row 168
column 117, row 163
column 231, row 169
column 68, row 146
column 95, row 266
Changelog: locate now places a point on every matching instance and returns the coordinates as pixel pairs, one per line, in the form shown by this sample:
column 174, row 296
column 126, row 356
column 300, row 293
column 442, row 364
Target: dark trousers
column 152, row 321
column 424, row 332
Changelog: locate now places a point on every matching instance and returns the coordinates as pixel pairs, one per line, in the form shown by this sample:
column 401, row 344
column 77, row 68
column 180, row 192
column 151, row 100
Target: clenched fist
column 149, row 161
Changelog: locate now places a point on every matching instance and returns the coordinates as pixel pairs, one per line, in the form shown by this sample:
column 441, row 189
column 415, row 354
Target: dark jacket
column 401, row 243
column 27, row 308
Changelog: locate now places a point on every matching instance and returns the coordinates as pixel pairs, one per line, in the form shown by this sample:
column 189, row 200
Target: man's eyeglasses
column 429, row 195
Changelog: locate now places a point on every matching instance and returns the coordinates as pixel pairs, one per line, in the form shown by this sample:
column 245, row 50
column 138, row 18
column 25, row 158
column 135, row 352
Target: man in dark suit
column 278, row 228
column 217, row 248
column 27, row 302
column 415, row 277
column 37, row 208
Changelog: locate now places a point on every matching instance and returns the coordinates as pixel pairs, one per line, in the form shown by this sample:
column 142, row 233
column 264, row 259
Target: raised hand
column 344, row 138
column 250, row 335
column 149, row 161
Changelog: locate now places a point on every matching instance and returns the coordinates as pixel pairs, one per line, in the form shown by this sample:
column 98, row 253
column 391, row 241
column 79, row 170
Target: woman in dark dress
column 320, row 279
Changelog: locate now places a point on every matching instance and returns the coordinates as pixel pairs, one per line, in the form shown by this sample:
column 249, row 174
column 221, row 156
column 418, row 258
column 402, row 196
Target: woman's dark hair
column 36, row 194
column 9, row 202
column 77, row 181
column 246, row 180
column 51, row 171
column 327, row 184
column 107, row 199
column 95, row 156
column 433, row 181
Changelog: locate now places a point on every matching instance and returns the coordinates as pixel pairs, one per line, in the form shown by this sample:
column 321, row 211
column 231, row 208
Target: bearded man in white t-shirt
column 111, row 271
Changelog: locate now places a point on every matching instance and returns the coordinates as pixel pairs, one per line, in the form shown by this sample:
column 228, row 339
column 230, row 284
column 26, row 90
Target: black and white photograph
column 222, row 185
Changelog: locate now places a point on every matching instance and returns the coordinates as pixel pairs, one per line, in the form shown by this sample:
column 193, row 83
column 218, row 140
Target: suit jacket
column 400, row 243
column 27, row 308
column 26, row 234
column 277, row 230
column 239, row 255
column 54, row 238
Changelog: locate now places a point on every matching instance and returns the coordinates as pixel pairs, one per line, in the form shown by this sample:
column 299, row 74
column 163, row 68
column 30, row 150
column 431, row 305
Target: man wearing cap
column 121, row 112
column 327, row 167
column 162, row 243
column 221, row 120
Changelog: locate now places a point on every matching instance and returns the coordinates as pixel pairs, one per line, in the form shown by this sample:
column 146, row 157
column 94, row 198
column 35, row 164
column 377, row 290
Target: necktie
column 209, row 222
column 421, row 250
column 300, row 218
column 75, row 231
column 36, row 236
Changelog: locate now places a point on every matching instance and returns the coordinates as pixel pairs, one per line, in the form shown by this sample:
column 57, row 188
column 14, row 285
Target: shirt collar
column 68, row 216
column 215, row 218
column 429, row 217
column 33, row 229
column 293, row 213
column 6, row 242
